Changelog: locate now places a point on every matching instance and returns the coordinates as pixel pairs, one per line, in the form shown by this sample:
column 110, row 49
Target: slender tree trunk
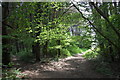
column 45, row 49
column 17, row 46
column 36, row 47
column 36, row 51
column 58, row 41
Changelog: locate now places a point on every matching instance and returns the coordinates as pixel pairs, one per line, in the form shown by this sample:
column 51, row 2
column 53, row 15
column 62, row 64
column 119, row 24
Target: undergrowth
column 99, row 65
column 12, row 74
column 25, row 56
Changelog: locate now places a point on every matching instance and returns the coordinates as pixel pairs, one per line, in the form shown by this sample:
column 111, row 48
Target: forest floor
column 71, row 67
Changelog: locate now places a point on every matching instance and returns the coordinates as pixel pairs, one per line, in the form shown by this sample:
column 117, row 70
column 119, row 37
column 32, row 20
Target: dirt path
column 71, row 67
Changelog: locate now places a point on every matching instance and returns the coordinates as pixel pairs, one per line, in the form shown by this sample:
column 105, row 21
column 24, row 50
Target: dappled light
column 60, row 40
column 72, row 67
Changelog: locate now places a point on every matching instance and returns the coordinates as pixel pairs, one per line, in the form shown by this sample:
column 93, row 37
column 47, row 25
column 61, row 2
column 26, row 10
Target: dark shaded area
column 71, row 67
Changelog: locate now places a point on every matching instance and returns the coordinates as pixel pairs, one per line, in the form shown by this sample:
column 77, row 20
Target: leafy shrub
column 65, row 52
column 104, row 69
column 83, row 50
column 12, row 74
column 90, row 55
column 73, row 49
column 98, row 63
column 53, row 52
column 25, row 56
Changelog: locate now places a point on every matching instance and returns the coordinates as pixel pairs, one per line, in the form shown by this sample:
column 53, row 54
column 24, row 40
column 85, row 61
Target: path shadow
column 73, row 67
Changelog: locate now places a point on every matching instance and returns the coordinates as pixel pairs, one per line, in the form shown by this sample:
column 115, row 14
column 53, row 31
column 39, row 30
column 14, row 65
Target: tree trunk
column 36, row 51
column 5, row 40
column 17, row 46
column 58, row 52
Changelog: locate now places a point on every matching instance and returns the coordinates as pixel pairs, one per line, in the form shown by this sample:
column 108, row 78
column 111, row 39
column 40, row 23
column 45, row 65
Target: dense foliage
column 42, row 30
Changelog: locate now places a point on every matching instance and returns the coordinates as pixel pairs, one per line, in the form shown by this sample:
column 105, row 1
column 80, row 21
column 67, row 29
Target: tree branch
column 7, row 25
column 106, row 18
column 66, row 11
column 95, row 29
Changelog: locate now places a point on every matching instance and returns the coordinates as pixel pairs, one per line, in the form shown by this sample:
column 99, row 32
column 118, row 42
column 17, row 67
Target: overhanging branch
column 95, row 29
column 106, row 18
column 7, row 25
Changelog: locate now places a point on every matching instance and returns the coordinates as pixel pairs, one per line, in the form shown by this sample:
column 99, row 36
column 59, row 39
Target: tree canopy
column 37, row 31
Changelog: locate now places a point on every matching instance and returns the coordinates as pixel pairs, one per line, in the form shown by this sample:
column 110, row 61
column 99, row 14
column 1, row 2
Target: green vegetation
column 36, row 32
column 12, row 74
column 25, row 56
column 92, row 54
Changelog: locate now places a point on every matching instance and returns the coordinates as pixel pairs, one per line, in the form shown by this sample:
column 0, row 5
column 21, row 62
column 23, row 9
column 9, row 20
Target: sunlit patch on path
column 71, row 67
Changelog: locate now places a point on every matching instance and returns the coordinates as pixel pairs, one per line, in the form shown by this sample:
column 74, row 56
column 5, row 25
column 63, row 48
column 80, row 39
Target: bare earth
column 71, row 67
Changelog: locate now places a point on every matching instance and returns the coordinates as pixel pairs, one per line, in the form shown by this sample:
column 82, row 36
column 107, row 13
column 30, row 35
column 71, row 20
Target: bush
column 25, row 56
column 14, row 74
column 90, row 55
column 104, row 69
column 65, row 52
column 83, row 50
column 73, row 49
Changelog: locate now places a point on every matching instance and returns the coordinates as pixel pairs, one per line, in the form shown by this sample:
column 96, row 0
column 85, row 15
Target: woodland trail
column 72, row 67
